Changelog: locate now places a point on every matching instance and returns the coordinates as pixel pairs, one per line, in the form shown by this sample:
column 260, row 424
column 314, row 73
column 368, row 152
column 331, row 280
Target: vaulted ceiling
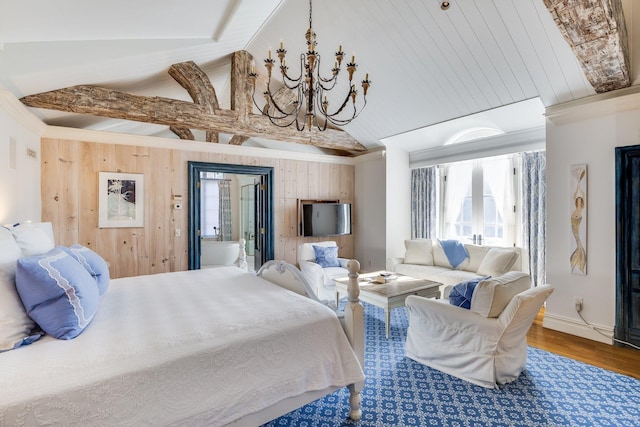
column 427, row 66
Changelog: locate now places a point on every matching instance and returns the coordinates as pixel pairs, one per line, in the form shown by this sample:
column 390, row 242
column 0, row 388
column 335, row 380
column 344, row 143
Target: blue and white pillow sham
column 57, row 292
column 93, row 263
column 326, row 256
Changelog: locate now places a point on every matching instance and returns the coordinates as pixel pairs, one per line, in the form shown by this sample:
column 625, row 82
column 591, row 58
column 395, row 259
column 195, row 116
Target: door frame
column 627, row 267
column 194, row 169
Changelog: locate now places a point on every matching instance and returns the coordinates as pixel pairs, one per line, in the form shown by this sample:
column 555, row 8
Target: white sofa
column 485, row 344
column 425, row 259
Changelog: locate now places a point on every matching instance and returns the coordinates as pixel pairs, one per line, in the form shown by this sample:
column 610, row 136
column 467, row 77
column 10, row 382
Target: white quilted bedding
column 200, row 347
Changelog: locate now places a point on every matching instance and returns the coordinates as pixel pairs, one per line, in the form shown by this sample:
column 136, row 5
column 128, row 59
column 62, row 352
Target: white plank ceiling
column 427, row 66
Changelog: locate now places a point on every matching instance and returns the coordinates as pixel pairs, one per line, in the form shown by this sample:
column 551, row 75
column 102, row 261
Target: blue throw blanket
column 455, row 251
column 462, row 293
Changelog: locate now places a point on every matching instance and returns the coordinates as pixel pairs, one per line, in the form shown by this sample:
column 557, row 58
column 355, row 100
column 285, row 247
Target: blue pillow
column 461, row 293
column 326, row 256
column 93, row 263
column 57, row 293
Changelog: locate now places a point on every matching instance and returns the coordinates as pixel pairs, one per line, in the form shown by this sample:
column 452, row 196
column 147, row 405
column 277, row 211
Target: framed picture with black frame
column 120, row 200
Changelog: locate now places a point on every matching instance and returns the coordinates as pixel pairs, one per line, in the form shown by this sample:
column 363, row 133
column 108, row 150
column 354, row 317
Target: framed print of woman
column 578, row 258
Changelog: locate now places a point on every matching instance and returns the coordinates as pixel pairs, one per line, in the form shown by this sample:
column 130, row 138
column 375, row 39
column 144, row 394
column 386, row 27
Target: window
column 478, row 202
column 210, row 204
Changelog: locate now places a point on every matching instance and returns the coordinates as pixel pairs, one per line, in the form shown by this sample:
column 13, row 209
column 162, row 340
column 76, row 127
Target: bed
column 218, row 346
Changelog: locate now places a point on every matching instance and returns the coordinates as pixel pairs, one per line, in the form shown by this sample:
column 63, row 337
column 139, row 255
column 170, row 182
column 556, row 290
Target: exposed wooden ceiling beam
column 596, row 31
column 104, row 102
column 195, row 81
column 183, row 133
column 204, row 113
column 238, row 140
column 241, row 87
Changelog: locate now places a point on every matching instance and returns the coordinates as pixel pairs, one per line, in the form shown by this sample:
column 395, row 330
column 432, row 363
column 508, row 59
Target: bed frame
column 353, row 324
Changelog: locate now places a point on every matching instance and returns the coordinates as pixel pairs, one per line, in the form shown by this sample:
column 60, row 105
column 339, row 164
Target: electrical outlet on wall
column 577, row 302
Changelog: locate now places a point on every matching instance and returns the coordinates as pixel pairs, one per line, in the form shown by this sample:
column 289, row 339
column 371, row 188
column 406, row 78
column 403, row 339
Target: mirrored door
column 195, row 207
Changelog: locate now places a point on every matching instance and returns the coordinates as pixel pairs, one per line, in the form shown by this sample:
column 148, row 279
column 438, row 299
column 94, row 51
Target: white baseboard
column 577, row 327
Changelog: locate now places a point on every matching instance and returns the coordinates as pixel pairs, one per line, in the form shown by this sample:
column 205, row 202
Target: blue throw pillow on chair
column 462, row 293
column 326, row 256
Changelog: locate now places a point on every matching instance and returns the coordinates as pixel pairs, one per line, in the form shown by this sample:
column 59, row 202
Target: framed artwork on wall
column 120, row 200
column 578, row 205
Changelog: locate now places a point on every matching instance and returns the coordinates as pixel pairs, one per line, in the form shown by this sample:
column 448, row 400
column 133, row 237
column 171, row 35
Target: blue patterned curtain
column 534, row 193
column 423, row 203
column 225, row 209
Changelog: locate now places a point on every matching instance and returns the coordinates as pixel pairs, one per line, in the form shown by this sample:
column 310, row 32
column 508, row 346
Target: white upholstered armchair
column 321, row 278
column 486, row 346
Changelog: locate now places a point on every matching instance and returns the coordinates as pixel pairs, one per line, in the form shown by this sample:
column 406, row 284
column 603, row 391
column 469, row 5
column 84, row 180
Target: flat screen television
column 326, row 219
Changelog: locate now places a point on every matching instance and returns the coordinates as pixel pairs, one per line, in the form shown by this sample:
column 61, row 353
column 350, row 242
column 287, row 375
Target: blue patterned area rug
column 552, row 391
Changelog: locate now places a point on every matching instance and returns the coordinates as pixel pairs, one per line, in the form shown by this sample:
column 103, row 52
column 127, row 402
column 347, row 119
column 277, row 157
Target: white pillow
column 439, row 257
column 491, row 296
column 285, row 279
column 418, row 251
column 497, row 261
column 15, row 325
column 476, row 255
column 34, row 238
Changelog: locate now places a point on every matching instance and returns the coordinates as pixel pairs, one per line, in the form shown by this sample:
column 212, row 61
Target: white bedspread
column 201, row 347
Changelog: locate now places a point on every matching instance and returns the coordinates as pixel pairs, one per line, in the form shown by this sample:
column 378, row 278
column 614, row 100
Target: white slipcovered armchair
column 321, row 279
column 486, row 344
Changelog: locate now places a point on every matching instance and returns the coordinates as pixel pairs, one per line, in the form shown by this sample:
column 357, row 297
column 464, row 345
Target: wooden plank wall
column 70, row 201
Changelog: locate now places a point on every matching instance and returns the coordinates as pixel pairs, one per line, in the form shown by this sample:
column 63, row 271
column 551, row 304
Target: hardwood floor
column 625, row 361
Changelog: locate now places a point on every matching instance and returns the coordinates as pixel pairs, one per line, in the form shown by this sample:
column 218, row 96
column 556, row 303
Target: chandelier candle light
column 308, row 105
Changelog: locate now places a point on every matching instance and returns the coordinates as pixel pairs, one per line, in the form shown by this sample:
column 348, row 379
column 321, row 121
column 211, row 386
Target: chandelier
column 303, row 100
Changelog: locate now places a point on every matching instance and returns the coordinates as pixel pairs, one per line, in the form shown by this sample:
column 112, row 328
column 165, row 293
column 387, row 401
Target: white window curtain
column 499, row 177
column 458, row 180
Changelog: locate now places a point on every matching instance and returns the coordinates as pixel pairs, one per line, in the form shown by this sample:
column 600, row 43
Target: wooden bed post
column 354, row 329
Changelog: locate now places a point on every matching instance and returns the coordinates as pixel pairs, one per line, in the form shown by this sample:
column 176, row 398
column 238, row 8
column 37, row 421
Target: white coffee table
column 392, row 294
